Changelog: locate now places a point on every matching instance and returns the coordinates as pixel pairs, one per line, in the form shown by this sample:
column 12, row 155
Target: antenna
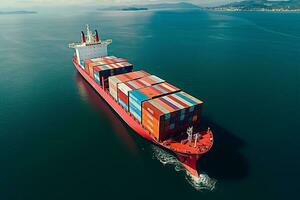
column 89, row 34
column 196, row 136
column 189, row 132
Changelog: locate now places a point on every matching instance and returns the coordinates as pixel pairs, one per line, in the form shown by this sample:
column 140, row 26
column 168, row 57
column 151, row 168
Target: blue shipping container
column 135, row 102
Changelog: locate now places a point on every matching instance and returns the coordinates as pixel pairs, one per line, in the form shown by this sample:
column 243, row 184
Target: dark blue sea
column 60, row 140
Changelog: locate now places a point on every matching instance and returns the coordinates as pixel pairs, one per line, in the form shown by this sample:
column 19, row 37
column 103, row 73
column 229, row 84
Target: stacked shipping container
column 113, row 81
column 101, row 68
column 170, row 114
column 136, row 97
column 100, row 61
column 125, row 88
column 104, row 71
column 160, row 107
column 108, row 59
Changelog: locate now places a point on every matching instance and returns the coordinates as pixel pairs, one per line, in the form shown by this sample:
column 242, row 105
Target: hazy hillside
column 249, row 5
column 181, row 5
column 18, row 12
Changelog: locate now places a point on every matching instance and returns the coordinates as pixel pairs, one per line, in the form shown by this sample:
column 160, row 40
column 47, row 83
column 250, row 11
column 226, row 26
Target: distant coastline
column 18, row 12
column 133, row 9
column 180, row 5
column 251, row 10
column 260, row 6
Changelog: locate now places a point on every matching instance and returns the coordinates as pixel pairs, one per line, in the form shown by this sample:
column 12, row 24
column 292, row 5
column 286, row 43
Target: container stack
column 104, row 60
column 106, row 66
column 114, row 81
column 160, row 107
column 125, row 88
column 101, row 73
column 89, row 64
column 108, row 59
column 99, row 61
column 170, row 114
column 137, row 97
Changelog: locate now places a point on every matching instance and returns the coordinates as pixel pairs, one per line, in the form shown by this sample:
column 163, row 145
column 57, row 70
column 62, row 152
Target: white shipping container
column 124, row 88
column 113, row 81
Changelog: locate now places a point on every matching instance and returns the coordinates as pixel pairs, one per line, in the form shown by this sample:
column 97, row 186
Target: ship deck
column 179, row 143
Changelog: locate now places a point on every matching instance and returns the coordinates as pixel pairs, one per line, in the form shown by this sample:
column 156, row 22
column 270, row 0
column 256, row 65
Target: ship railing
column 79, row 44
column 75, row 44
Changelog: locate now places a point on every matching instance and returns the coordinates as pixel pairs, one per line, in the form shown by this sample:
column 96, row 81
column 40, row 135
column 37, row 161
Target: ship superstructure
column 91, row 46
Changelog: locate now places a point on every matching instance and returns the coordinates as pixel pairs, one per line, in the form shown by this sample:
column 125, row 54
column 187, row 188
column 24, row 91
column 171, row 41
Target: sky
column 44, row 3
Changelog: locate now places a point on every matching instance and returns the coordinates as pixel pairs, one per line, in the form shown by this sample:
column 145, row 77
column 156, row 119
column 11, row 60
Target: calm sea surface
column 59, row 140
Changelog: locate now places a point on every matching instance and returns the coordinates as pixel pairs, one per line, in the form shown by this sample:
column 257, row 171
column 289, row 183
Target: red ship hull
column 188, row 160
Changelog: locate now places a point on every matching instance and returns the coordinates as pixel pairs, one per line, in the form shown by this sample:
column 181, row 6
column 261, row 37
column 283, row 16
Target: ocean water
column 59, row 140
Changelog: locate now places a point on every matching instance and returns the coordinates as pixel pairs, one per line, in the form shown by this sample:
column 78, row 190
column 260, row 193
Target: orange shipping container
column 170, row 114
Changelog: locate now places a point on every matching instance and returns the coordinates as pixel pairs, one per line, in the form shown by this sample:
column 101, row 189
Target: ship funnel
column 83, row 37
column 97, row 39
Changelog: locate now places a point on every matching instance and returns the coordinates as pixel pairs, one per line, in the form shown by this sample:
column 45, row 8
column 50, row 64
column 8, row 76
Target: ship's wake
column 201, row 183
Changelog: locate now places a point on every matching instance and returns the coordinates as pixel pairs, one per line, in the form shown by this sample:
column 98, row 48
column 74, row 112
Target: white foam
column 201, row 183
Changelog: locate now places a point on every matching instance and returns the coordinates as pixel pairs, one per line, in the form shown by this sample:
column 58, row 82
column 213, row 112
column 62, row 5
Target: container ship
column 154, row 108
